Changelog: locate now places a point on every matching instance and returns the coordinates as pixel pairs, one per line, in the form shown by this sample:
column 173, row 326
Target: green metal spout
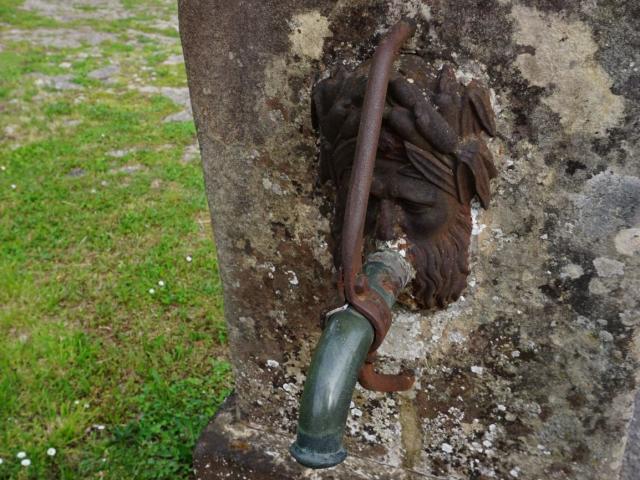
column 338, row 358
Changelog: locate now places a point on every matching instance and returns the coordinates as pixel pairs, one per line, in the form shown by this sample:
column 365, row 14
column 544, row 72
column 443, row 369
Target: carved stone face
column 402, row 203
column 431, row 160
column 435, row 224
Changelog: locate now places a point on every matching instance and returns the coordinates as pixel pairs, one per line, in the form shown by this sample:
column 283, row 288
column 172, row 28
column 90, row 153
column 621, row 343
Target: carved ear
column 478, row 104
column 474, row 171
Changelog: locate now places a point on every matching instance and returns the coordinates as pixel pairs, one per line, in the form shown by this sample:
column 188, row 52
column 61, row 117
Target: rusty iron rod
column 364, row 161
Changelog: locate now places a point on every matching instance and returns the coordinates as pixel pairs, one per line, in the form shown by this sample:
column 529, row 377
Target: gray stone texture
column 531, row 375
column 631, row 464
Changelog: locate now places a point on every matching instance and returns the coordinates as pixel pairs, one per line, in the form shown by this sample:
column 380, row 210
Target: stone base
column 230, row 449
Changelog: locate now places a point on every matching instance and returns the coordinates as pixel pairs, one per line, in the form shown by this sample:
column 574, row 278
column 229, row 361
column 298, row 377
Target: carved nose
column 385, row 221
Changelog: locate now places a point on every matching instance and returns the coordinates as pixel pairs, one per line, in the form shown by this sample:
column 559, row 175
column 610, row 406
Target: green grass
column 112, row 344
column 11, row 14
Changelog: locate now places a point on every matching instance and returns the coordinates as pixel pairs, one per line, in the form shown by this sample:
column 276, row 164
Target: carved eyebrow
column 436, row 169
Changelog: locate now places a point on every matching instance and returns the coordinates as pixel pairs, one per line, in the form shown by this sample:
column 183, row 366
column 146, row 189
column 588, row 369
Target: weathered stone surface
column 530, row 375
column 229, row 448
column 631, row 464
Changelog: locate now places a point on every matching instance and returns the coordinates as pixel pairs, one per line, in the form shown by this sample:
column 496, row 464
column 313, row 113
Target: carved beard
column 442, row 263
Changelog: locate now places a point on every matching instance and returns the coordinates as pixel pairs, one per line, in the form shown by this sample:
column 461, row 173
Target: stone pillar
column 530, row 375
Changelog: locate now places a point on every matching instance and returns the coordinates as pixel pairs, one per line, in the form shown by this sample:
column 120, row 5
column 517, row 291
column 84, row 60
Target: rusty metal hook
column 354, row 284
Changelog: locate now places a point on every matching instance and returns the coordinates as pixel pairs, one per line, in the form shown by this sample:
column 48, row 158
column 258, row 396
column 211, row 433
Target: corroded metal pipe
column 338, row 358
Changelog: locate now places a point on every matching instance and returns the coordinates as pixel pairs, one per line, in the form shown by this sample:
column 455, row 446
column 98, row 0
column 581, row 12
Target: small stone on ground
column 104, row 74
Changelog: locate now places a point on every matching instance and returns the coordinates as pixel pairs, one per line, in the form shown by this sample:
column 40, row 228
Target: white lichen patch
column 290, row 388
column 376, row 421
column 605, row 205
column 454, row 438
column 468, row 70
column 269, row 267
column 308, row 31
column 607, row 267
column 413, row 9
column 456, row 337
column 564, row 62
column 464, row 77
column 405, row 329
column 416, row 9
column 627, row 241
column 272, row 186
column 571, row 271
column 477, row 227
column 275, row 71
column 293, row 278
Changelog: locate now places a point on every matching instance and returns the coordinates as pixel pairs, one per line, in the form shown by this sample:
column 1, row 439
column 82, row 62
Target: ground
column 112, row 341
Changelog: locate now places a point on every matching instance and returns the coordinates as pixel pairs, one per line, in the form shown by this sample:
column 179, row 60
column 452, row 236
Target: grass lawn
column 112, row 340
